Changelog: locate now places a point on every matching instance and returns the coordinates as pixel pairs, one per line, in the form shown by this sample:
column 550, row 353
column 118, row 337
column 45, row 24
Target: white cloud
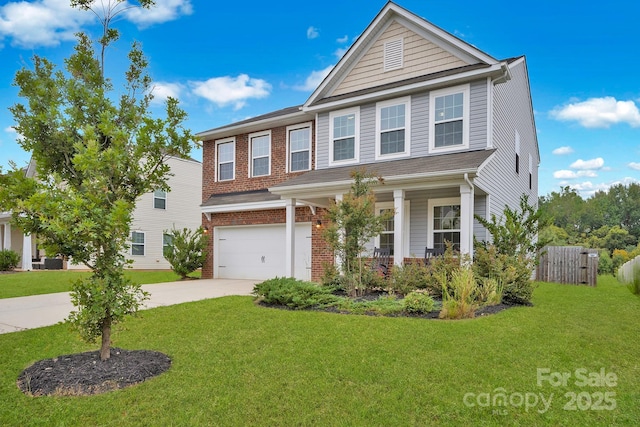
column 634, row 166
column 162, row 90
column 596, row 163
column 41, row 23
column 588, row 188
column 339, row 52
column 561, row 151
column 50, row 22
column 599, row 112
column 312, row 33
column 343, row 40
column 314, row 79
column 567, row 174
column 228, row 90
column 161, row 11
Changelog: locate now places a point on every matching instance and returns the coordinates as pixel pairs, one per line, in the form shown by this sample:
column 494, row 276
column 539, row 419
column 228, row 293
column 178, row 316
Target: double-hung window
column 260, row 144
column 444, row 225
column 392, row 125
column 299, row 146
column 167, row 244
column 160, row 199
column 449, row 118
column 137, row 243
column 344, row 130
column 225, row 155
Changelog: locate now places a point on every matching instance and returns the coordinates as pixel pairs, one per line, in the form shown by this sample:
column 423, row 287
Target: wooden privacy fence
column 572, row 265
column 627, row 271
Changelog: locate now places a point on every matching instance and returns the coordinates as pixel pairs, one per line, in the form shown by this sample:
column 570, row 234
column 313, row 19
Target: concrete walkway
column 21, row 313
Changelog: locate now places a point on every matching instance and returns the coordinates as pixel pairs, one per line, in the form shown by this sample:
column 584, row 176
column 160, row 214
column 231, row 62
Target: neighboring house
column 449, row 128
column 154, row 214
column 14, row 239
column 161, row 211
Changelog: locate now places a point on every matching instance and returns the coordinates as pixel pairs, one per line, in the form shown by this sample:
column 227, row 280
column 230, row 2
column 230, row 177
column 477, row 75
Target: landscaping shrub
column 294, row 293
column 8, row 260
column 440, row 270
column 384, row 305
column 418, row 302
column 186, row 250
column 512, row 271
column 459, row 295
column 605, row 263
column 490, row 291
column 406, row 278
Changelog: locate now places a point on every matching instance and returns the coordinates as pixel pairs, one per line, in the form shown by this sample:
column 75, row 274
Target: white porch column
column 398, row 227
column 290, row 239
column 7, row 236
column 26, row 253
column 466, row 219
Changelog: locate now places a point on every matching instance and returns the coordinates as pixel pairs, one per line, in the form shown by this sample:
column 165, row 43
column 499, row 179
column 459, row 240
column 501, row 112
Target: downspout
column 470, row 184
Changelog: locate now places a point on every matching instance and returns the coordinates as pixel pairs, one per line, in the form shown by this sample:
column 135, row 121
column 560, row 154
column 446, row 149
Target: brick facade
column 243, row 182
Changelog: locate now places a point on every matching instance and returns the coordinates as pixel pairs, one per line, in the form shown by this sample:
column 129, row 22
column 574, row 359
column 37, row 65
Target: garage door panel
column 258, row 252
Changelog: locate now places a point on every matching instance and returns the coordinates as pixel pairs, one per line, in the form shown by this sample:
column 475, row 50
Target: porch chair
column 431, row 253
column 381, row 260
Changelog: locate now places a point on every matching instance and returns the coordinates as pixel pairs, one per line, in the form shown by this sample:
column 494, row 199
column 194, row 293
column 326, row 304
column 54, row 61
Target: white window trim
column 406, row 227
column 215, row 155
column 250, row 153
column 298, row 127
column 160, row 198
column 431, row 204
column 144, row 243
column 356, row 145
column 407, row 127
column 466, row 90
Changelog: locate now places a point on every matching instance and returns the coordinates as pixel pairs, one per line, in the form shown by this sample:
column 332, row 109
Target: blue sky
column 228, row 61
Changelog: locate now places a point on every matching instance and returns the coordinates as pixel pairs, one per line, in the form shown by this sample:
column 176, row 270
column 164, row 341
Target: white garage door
column 258, row 252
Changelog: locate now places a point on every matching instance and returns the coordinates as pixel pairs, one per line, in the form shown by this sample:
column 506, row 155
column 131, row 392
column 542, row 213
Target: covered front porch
column 14, row 239
column 432, row 203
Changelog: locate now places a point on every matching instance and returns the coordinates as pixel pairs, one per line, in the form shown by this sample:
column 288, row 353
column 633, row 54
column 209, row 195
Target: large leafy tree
column 96, row 153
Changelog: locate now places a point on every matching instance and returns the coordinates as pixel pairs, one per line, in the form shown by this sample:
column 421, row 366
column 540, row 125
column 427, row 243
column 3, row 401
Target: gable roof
column 390, row 14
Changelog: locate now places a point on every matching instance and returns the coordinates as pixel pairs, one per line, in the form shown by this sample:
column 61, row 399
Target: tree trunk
column 105, row 349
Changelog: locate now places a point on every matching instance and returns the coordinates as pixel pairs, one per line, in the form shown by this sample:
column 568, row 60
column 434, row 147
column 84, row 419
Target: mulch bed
column 84, row 374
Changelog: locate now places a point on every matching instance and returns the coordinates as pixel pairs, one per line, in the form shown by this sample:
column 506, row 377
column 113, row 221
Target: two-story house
column 450, row 129
column 155, row 213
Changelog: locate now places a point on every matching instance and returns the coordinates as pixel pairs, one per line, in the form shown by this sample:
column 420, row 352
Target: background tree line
column 609, row 220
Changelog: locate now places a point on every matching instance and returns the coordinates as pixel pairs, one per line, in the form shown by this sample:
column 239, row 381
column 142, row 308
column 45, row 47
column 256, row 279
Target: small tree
column 353, row 223
column 186, row 250
column 95, row 157
column 513, row 255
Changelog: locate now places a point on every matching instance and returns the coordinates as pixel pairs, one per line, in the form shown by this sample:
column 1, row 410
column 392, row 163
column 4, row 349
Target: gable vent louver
column 393, row 53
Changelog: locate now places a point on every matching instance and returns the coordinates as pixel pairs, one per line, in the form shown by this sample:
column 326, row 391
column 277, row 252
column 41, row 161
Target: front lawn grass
column 236, row 363
column 22, row 284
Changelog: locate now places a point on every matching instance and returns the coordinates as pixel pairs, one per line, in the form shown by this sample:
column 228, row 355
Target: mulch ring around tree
column 83, row 374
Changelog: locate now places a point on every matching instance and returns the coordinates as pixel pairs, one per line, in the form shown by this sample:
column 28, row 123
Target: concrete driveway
column 21, row 313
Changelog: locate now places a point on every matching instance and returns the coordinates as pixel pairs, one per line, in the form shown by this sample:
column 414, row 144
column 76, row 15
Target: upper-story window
column 260, row 146
column 517, row 152
column 392, row 127
column 225, row 155
column 449, row 118
column 344, row 130
column 299, row 147
column 160, row 199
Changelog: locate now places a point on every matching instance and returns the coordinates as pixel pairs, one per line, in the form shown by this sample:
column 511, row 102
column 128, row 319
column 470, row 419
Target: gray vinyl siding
column 322, row 141
column 478, row 115
column 420, row 125
column 480, row 209
column 512, row 112
column 368, row 133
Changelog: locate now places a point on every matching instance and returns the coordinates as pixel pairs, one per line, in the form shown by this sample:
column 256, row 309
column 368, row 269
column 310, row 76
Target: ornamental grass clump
column 459, row 295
